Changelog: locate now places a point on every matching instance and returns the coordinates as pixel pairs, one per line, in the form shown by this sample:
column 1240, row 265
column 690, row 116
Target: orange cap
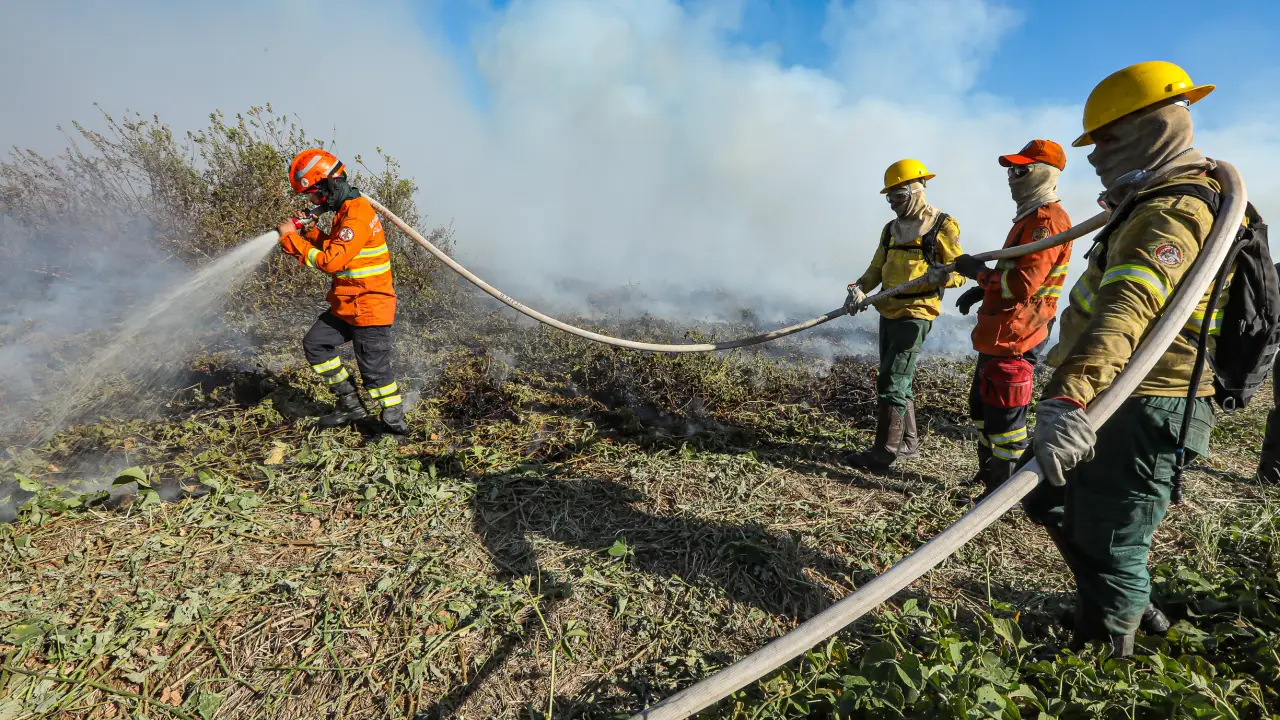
column 1044, row 151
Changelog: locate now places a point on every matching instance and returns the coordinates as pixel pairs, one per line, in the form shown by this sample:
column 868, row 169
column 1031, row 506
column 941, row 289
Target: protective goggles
column 1019, row 171
column 900, row 194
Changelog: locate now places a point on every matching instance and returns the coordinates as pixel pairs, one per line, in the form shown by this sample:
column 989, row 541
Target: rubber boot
column 984, row 464
column 348, row 409
column 1269, row 460
column 910, row 446
column 1153, row 622
column 393, row 420
column 889, row 427
column 1085, row 626
column 1122, row 645
column 998, row 472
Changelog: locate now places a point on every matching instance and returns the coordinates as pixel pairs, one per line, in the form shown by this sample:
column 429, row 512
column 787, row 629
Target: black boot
column 1153, row 621
column 393, row 420
column 1122, row 645
column 348, row 409
column 889, row 427
column 984, row 464
column 1269, row 460
column 998, row 471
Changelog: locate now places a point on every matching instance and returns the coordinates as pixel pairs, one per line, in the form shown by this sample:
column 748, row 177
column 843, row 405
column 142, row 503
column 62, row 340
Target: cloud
column 621, row 142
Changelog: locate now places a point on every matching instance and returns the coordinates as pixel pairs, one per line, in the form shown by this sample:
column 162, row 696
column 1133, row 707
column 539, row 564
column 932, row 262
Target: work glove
column 1064, row 438
column 970, row 297
column 937, row 275
column 853, row 303
column 969, row 266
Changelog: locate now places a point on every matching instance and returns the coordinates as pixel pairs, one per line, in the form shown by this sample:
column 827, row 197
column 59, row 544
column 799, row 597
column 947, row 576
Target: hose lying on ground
column 905, row 571
column 1080, row 230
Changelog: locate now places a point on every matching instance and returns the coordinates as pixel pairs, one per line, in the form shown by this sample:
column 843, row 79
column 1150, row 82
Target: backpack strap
column 1211, row 197
column 929, row 251
column 884, row 235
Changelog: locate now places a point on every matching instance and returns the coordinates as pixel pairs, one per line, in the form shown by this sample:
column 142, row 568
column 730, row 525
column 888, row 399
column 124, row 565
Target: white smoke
column 622, row 142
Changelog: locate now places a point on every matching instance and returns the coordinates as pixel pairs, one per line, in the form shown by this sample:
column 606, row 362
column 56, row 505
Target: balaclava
column 336, row 191
column 1038, row 187
column 1157, row 139
column 915, row 215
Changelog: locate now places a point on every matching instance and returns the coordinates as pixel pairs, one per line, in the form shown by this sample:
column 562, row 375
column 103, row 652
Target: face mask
column 906, row 200
column 1142, row 141
column 1033, row 185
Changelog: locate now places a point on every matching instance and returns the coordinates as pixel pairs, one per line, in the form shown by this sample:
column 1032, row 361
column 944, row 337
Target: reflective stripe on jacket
column 1114, row 302
column 1020, row 296
column 354, row 253
column 903, row 262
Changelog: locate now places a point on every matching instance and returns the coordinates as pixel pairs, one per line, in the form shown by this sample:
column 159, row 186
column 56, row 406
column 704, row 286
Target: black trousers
column 373, row 355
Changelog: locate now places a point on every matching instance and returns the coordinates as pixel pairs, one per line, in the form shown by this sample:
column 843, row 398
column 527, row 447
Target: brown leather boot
column 910, row 446
column 889, row 430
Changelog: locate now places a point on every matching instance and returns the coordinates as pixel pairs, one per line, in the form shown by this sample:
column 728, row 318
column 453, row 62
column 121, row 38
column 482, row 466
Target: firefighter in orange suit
column 362, row 299
column 1019, row 302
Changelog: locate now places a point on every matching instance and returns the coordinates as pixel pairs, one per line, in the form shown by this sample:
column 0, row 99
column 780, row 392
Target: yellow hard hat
column 1133, row 88
column 905, row 171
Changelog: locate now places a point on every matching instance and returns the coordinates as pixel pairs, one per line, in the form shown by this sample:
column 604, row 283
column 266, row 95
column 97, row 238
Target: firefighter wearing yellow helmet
column 919, row 241
column 1105, row 492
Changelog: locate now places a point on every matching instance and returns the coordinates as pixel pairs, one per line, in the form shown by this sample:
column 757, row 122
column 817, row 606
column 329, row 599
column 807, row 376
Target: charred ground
column 570, row 531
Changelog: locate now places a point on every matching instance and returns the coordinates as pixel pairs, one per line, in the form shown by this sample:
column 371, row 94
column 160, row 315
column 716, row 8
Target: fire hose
column 907, row 570
column 1077, row 231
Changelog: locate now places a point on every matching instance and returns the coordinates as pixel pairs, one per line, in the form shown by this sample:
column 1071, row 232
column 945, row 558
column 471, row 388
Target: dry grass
column 577, row 535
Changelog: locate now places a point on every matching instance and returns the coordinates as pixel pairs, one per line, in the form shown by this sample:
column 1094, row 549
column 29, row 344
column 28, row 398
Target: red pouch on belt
column 1005, row 382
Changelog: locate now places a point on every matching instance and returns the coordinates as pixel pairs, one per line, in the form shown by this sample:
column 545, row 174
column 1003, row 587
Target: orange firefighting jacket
column 1021, row 295
column 354, row 253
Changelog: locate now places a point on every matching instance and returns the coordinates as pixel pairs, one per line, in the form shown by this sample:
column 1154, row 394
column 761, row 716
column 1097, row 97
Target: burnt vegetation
column 570, row 530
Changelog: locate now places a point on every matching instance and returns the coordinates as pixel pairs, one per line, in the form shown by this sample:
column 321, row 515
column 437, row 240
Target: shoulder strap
column 1211, row 197
column 929, row 241
column 884, row 235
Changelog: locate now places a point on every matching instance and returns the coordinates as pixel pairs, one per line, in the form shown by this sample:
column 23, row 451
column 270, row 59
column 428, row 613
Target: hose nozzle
column 306, row 219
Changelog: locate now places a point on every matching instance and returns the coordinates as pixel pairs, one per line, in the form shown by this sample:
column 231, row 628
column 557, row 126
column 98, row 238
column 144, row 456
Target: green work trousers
column 1111, row 505
column 900, row 343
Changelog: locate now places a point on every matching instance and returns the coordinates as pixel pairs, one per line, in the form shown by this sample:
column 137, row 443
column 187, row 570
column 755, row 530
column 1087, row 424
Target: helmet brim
column 1193, row 96
column 922, row 178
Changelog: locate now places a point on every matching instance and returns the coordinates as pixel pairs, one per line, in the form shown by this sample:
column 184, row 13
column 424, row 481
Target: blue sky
column 1054, row 55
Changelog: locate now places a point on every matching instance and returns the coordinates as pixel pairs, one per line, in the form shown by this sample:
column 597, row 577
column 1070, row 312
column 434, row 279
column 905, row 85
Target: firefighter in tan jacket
column 917, row 243
column 1104, row 494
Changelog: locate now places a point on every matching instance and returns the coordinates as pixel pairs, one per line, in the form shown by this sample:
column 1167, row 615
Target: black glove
column 969, row 298
column 969, row 266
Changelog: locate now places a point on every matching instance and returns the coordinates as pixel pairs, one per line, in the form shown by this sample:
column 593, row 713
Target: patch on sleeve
column 1040, row 233
column 1168, row 255
column 346, row 234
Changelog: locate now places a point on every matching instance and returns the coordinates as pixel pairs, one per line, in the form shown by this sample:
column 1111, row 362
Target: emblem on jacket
column 1168, row 255
column 346, row 234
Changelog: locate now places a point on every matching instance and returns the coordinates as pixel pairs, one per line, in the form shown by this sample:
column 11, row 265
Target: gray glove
column 1064, row 438
column 938, row 275
column 853, row 304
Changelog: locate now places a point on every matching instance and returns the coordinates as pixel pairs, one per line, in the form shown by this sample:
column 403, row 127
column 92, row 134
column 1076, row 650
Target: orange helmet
column 311, row 166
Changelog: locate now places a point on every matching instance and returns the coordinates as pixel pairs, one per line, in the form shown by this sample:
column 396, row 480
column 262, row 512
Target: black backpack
column 928, row 249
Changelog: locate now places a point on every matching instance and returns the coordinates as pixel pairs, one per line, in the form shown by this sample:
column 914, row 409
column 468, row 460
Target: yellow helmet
column 905, row 171
column 1133, row 88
